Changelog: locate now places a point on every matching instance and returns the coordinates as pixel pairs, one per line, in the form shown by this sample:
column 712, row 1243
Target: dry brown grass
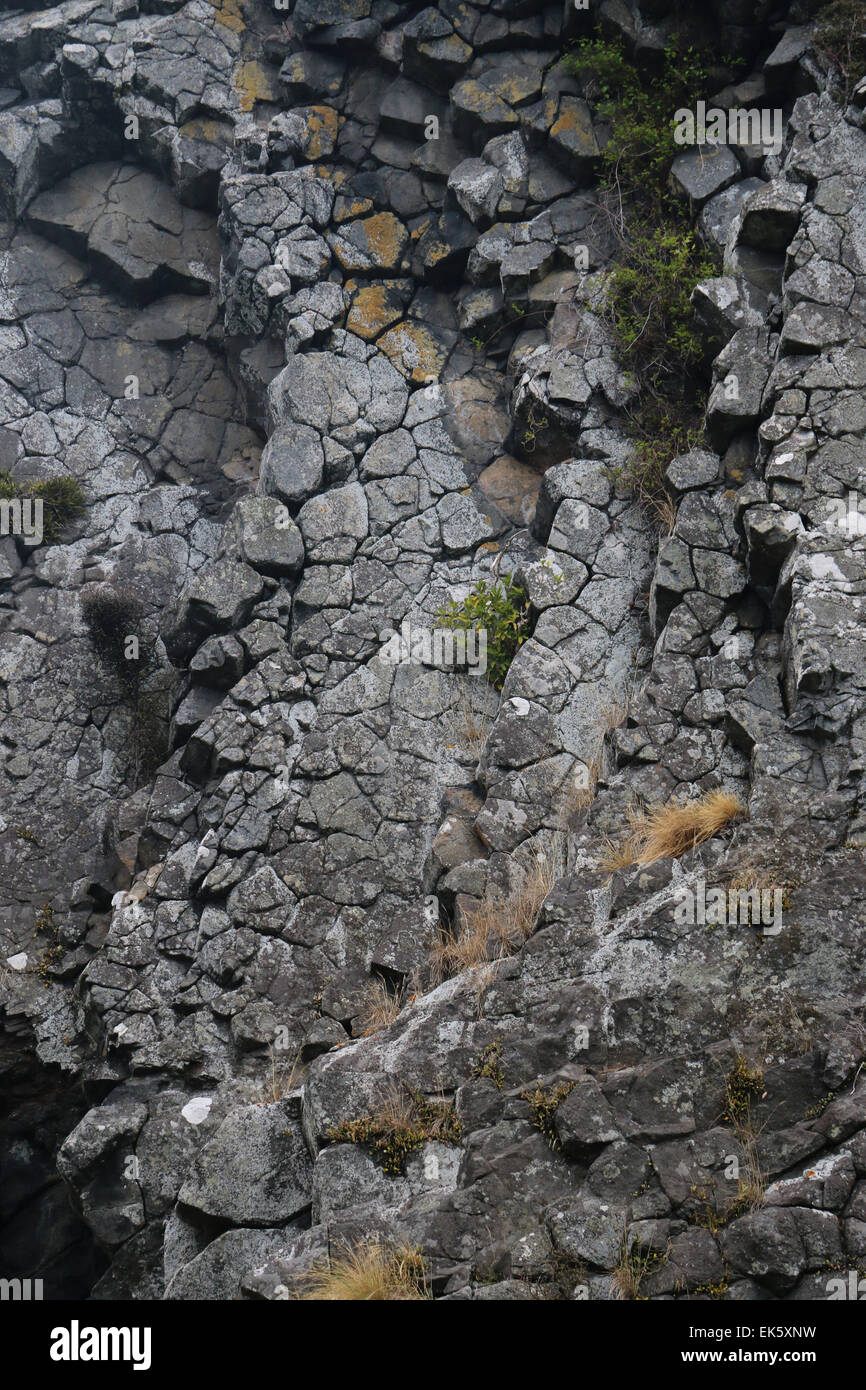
column 633, row 1267
column 581, row 789
column 282, row 1079
column 469, row 726
column 382, row 1007
column 666, row 832
column 369, row 1273
column 499, row 926
column 664, row 509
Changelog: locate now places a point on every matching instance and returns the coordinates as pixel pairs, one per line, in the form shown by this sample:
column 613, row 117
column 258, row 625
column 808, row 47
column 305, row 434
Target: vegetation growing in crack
column 500, row 923
column 634, row 1265
column 659, row 259
column 400, row 1125
column 840, row 37
column 369, row 1272
column 500, row 609
column 488, row 1064
column 543, row 1105
column 114, row 618
column 667, row 832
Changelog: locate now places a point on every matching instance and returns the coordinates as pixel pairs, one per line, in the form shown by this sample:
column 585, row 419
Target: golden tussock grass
column 382, row 1007
column 369, row 1273
column 666, row 832
column 499, row 925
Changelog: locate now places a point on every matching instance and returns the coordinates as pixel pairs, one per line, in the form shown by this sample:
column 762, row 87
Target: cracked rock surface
column 313, row 311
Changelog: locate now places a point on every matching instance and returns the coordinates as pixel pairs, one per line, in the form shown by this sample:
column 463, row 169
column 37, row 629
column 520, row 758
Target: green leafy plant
column 500, row 609
column 659, row 259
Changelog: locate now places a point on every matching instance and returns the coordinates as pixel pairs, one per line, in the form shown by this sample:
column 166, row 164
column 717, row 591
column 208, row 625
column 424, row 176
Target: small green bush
column 840, row 35
column 639, row 107
column 652, row 313
column 660, row 260
column 500, row 609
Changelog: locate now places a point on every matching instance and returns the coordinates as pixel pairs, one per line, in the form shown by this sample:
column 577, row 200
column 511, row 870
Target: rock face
column 314, row 315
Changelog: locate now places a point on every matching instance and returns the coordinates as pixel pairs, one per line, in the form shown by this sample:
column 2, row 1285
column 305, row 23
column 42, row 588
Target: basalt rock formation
column 309, row 300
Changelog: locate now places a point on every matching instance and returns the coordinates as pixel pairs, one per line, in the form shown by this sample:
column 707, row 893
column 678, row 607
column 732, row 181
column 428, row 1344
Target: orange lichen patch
column 574, row 129
column 414, row 351
column 435, row 252
column 376, row 242
column 228, row 14
column 253, row 82
column 345, row 209
column 422, row 227
column 451, row 49
column 323, row 123
column 473, row 96
column 206, row 129
column 335, row 176
column 373, row 309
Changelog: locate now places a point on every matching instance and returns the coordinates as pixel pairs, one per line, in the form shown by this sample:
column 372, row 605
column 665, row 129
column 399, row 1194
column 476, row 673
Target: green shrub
column 639, row 107
column 659, row 260
column 649, row 300
column 840, row 35
column 500, row 609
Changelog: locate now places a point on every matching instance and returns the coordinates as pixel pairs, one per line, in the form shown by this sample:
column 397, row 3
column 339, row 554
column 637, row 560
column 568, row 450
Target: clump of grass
column 666, row 832
column 499, row 925
column 281, row 1080
column 489, row 1064
column 113, row 618
column 369, row 1273
column 743, row 1084
column 501, row 610
column 382, row 1007
column 543, row 1105
column 633, row 1267
column 62, row 500
column 402, row 1123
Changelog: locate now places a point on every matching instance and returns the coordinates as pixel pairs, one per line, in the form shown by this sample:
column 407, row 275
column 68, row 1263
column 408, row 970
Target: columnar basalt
column 312, row 304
